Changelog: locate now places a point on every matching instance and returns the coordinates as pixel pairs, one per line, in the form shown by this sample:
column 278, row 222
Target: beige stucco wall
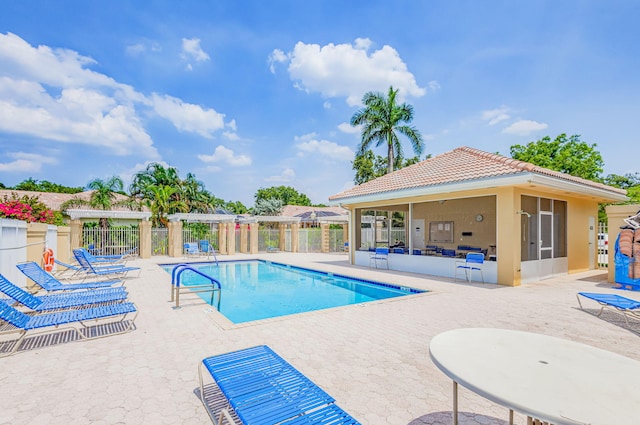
column 501, row 223
column 463, row 213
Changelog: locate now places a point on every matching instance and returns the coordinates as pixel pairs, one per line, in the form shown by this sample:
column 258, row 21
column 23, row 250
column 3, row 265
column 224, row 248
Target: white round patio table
column 543, row 377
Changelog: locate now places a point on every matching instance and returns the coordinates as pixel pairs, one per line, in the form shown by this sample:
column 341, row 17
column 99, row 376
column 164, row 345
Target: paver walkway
column 373, row 358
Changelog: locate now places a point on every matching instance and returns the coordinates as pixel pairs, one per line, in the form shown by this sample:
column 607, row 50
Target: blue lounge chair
column 102, row 259
column 49, row 283
column 262, row 388
column 59, row 301
column 104, row 270
column 18, row 322
column 626, row 306
column 473, row 262
column 70, row 271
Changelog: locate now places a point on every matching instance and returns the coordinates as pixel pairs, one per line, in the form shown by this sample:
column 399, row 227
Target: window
column 441, row 231
column 543, row 228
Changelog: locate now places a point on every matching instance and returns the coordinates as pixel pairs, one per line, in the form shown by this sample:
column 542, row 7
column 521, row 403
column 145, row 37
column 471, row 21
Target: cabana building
column 531, row 223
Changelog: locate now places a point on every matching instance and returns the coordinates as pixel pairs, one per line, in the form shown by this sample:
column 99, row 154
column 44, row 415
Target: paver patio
column 372, row 358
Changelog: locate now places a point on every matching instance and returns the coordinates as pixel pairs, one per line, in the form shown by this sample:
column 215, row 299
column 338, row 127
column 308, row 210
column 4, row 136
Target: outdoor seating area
column 142, row 379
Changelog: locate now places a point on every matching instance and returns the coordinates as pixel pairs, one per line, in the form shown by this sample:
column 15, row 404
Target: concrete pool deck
column 372, row 358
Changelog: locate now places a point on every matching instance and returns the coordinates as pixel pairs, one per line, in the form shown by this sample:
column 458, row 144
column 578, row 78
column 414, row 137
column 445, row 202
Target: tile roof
column 462, row 164
column 54, row 200
column 297, row 210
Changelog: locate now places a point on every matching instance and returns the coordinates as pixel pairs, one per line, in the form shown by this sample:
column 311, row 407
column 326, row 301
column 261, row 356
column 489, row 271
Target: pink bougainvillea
column 18, row 210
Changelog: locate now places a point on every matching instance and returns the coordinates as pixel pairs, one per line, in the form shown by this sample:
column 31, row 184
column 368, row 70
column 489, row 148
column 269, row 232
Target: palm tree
column 154, row 175
column 382, row 119
column 103, row 198
column 163, row 203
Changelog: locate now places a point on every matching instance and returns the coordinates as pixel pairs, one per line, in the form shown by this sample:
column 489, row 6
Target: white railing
column 112, row 240
column 604, row 244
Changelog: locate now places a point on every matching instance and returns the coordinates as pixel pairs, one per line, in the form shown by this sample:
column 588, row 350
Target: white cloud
column 433, row 85
column 53, row 95
column 524, row 127
column 76, row 115
column 324, row 148
column 348, row 70
column 277, row 56
column 287, row 175
column 345, row 127
column 191, row 50
column 187, row 116
column 135, row 49
column 26, row 162
column 494, row 116
column 223, row 154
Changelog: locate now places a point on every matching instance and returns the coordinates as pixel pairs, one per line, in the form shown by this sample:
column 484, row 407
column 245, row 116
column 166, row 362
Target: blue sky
column 251, row 94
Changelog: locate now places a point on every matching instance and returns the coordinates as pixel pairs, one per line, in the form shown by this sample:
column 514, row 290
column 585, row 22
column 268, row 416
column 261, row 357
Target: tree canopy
column 44, row 186
column 286, row 194
column 568, row 155
column 382, row 119
column 369, row 166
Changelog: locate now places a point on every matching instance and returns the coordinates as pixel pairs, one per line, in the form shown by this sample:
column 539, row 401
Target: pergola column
column 175, row 239
column 222, row 238
column 283, row 239
column 244, row 227
column 253, row 234
column 324, row 227
column 295, row 239
column 144, row 249
column 75, row 239
column 231, row 238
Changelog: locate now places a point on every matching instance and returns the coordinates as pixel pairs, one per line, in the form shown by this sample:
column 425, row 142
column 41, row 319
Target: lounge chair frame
column 101, row 270
column 49, row 283
column 79, row 321
column 618, row 303
column 262, row 388
column 59, row 301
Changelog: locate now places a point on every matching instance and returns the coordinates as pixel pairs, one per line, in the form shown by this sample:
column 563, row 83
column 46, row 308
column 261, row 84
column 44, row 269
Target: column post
column 144, row 248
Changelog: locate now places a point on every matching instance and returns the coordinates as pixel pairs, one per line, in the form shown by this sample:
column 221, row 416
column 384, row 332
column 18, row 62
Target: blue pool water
column 254, row 290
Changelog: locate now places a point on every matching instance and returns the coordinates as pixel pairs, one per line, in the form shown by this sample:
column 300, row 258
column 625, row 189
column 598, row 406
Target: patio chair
column 16, row 321
column 626, row 306
column 191, row 249
column 207, row 248
column 380, row 254
column 59, row 301
column 261, row 387
column 101, row 270
column 473, row 262
column 49, row 283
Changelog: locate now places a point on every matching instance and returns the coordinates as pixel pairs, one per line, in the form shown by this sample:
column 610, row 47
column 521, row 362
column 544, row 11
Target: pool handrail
column 213, row 287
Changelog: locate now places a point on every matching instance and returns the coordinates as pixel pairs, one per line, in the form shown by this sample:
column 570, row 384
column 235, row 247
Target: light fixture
column 523, row 212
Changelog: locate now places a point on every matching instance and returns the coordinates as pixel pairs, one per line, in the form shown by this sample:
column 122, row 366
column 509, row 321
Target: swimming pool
column 256, row 289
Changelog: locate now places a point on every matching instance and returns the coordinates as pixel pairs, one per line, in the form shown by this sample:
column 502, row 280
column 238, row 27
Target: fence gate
column 159, row 241
column 604, row 244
